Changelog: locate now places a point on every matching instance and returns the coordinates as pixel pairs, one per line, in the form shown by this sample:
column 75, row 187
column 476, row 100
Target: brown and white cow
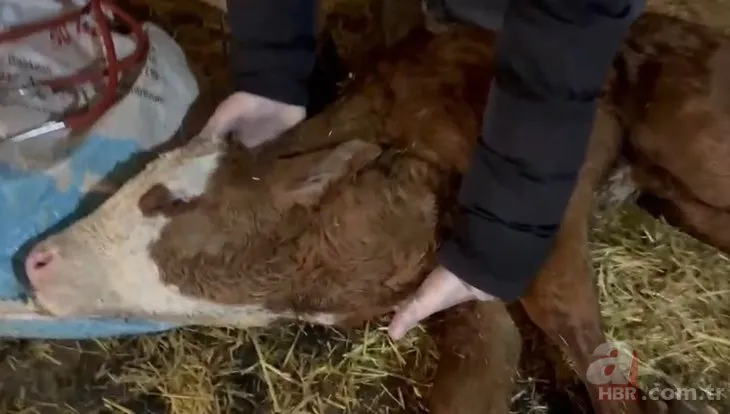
column 337, row 221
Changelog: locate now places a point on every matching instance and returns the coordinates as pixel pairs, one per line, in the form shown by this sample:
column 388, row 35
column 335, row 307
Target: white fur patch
column 145, row 296
column 617, row 189
column 186, row 171
column 191, row 179
column 321, row 318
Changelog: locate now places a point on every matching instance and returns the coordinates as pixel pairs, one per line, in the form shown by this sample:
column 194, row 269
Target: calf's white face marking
column 103, row 266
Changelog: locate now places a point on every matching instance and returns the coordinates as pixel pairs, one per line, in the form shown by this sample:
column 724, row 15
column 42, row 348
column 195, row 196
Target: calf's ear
column 345, row 160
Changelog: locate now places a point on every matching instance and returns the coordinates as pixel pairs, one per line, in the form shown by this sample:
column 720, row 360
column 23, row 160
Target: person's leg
column 488, row 14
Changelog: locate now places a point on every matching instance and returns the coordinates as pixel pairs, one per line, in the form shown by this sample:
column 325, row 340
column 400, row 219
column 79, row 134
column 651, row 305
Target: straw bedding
column 662, row 291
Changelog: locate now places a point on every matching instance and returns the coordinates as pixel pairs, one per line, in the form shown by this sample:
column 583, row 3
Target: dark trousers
column 488, row 14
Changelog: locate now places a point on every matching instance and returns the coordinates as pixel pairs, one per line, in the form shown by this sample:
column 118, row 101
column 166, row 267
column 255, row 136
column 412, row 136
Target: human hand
column 440, row 290
column 252, row 119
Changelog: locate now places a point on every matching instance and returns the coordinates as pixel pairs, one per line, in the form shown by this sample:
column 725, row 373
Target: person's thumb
column 441, row 290
column 228, row 113
column 220, row 123
column 426, row 301
column 407, row 317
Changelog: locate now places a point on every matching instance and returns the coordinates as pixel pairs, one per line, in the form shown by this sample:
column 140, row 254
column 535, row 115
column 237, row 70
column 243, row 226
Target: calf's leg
column 563, row 299
column 563, row 302
column 479, row 348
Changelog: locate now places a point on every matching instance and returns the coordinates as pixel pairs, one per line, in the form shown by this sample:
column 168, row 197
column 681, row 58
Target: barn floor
column 679, row 322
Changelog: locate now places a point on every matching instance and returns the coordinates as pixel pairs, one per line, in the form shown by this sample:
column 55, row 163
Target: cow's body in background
column 337, row 222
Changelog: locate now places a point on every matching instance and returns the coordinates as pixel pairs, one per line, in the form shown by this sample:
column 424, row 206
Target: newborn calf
column 337, row 222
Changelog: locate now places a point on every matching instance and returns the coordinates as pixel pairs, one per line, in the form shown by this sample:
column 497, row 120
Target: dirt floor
column 679, row 323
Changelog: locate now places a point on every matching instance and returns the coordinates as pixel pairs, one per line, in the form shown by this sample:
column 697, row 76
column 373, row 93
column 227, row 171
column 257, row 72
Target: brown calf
column 337, row 221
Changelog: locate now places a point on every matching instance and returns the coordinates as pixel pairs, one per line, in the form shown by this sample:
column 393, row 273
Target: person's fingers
column 440, row 290
column 218, row 124
column 403, row 320
column 402, row 304
column 228, row 112
column 252, row 125
column 208, row 129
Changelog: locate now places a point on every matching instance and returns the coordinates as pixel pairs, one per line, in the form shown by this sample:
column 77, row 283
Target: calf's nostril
column 39, row 259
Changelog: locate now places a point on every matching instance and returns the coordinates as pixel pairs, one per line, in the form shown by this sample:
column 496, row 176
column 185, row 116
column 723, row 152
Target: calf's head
column 210, row 234
column 207, row 217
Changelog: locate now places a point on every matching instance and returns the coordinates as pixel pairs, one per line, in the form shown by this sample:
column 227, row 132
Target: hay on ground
column 662, row 292
column 668, row 296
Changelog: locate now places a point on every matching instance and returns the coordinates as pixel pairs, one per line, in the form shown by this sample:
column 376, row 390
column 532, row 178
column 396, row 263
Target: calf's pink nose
column 39, row 263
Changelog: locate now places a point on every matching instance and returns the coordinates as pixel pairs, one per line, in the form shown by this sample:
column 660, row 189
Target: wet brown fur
column 267, row 231
column 683, row 164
